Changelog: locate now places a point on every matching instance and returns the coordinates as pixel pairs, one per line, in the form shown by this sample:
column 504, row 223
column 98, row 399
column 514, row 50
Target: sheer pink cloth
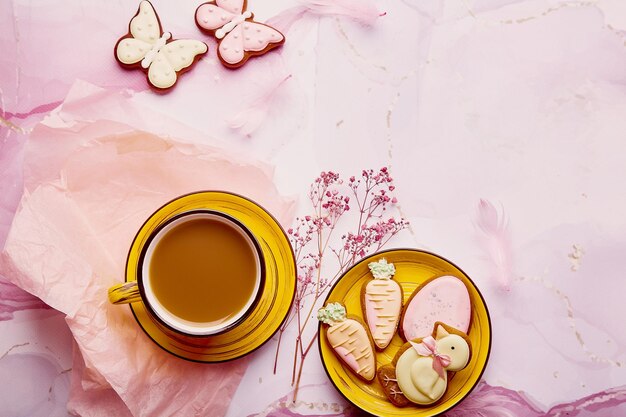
column 92, row 174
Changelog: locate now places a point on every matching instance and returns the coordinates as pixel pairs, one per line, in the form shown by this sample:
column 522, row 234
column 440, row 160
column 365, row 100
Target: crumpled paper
column 93, row 173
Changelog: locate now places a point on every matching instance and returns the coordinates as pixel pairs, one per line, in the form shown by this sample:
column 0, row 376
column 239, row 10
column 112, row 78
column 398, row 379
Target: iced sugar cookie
column 381, row 299
column 239, row 37
column 148, row 48
column 443, row 299
column 349, row 340
column 421, row 367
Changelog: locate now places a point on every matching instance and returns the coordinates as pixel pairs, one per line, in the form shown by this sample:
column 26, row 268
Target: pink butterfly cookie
column 238, row 35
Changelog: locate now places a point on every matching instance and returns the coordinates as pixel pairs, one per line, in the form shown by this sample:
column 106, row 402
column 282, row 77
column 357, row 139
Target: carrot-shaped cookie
column 381, row 299
column 349, row 339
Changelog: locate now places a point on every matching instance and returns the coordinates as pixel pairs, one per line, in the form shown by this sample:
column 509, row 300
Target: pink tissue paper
column 94, row 170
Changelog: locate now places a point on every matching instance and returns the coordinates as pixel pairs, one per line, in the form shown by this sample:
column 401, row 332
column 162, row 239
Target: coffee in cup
column 199, row 274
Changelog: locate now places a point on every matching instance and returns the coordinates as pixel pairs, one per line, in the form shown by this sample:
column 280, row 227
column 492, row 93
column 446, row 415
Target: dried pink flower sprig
column 369, row 197
column 374, row 236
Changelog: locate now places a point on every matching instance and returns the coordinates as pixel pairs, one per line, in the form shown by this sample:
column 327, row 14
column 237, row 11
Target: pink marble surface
column 517, row 102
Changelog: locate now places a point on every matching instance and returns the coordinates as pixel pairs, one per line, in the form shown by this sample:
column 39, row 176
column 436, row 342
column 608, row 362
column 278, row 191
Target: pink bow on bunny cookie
column 428, row 347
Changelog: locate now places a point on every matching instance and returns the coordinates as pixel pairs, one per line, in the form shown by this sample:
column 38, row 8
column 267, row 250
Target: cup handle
column 125, row 293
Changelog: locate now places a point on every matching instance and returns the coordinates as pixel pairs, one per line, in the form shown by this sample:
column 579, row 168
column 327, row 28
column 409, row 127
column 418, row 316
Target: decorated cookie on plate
column 418, row 373
column 349, row 340
column 442, row 299
column 239, row 36
column 148, row 48
column 381, row 299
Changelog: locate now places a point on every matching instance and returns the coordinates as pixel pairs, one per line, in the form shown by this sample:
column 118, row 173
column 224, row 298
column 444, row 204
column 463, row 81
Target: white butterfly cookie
column 238, row 35
column 147, row 47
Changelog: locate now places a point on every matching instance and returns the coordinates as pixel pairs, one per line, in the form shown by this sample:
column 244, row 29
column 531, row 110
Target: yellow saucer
column 413, row 267
column 275, row 299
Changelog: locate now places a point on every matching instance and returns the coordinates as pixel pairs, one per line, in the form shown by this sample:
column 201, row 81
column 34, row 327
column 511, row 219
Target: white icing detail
column 145, row 63
column 220, row 33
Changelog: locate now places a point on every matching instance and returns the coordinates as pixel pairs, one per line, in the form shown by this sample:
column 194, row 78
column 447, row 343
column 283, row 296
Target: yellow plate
column 274, row 302
column 413, row 267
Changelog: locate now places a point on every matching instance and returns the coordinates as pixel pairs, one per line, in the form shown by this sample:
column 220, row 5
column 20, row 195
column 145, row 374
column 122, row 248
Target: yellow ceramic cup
column 141, row 290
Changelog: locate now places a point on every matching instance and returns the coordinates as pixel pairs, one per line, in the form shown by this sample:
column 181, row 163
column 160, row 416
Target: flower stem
column 295, row 362
column 306, row 352
column 280, row 337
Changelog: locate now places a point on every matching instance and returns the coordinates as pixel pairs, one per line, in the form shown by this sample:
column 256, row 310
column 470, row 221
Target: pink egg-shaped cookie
column 444, row 299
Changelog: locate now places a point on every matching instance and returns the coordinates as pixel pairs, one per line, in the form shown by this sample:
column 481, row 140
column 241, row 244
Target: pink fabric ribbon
column 428, row 347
